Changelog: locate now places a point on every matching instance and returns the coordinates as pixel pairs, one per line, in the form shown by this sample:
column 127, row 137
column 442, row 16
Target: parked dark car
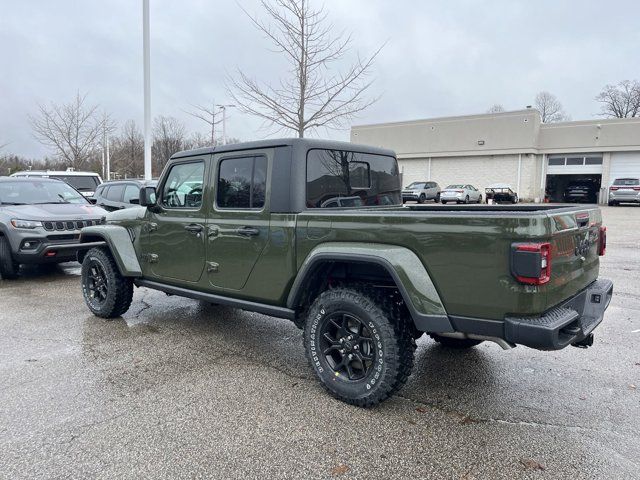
column 120, row 194
column 581, row 192
column 40, row 222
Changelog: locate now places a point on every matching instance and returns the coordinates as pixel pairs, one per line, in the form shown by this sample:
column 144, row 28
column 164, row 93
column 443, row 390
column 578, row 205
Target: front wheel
column 515, row 199
column 480, row 199
column 107, row 293
column 8, row 268
column 360, row 353
column 437, row 197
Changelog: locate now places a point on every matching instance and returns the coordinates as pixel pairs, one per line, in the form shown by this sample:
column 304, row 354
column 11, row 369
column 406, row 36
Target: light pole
column 224, row 121
column 147, row 88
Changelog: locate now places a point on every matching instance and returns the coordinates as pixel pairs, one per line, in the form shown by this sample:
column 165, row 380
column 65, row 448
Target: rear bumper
column 565, row 324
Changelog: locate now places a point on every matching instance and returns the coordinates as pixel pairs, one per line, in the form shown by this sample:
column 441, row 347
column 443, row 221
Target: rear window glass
column 627, row 181
column 339, row 178
column 87, row 183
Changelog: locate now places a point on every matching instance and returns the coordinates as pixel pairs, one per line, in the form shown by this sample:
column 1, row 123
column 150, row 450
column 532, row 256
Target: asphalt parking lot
column 179, row 389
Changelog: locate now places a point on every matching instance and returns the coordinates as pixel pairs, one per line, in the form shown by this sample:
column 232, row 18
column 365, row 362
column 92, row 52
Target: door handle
column 248, row 231
column 213, row 231
column 193, row 228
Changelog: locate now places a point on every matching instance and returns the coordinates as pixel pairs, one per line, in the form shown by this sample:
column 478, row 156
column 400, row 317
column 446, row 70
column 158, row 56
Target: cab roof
column 299, row 143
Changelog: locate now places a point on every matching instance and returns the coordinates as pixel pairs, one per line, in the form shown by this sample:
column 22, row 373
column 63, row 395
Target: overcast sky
column 442, row 57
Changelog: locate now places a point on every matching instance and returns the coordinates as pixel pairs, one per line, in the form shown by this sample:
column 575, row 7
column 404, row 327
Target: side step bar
column 272, row 310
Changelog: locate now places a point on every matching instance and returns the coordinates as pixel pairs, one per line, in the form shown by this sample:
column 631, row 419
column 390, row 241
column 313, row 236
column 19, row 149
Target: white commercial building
column 537, row 159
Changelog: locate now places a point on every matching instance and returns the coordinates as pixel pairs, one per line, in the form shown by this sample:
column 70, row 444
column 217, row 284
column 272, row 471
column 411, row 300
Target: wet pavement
column 181, row 389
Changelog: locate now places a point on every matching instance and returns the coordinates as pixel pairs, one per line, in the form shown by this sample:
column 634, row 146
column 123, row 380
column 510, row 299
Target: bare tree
column 496, row 108
column 127, row 152
column 208, row 115
column 620, row 101
column 550, row 108
column 312, row 95
column 168, row 138
column 71, row 130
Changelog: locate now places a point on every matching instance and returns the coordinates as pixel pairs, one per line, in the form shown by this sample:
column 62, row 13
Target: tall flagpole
column 147, row 90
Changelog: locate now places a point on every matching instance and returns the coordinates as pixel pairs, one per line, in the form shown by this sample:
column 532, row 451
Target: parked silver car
column 421, row 192
column 461, row 194
column 624, row 190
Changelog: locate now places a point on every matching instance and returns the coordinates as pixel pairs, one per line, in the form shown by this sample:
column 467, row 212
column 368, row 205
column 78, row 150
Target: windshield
column 455, row 186
column 627, row 181
column 417, row 186
column 82, row 183
column 36, row 191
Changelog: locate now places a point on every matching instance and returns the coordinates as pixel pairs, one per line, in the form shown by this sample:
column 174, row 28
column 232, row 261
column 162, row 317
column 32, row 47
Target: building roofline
column 449, row 118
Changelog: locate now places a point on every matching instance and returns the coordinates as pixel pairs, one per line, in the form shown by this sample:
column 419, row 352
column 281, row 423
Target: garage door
column 574, row 164
column 623, row 165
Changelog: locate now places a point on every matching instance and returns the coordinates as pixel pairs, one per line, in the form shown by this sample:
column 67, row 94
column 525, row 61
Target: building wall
column 479, row 171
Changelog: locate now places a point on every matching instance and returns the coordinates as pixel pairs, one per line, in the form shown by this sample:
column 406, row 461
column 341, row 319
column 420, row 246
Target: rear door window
column 242, row 182
column 115, row 193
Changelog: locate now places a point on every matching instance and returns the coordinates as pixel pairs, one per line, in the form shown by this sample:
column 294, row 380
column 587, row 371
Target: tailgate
column 574, row 252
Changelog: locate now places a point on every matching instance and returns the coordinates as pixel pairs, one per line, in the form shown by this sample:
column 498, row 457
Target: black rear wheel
column 457, row 343
column 107, row 293
column 360, row 353
column 422, row 198
column 8, row 268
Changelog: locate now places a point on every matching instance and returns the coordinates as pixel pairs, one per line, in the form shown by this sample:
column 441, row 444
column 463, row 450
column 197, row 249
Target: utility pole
column 147, row 88
column 213, row 123
column 224, row 121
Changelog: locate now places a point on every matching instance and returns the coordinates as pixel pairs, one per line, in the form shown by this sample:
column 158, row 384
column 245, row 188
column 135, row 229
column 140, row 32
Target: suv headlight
column 29, row 224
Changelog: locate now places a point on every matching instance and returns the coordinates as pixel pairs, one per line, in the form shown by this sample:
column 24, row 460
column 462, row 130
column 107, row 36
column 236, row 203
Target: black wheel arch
column 327, row 268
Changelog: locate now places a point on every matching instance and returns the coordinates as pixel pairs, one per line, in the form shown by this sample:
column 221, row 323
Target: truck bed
column 466, row 249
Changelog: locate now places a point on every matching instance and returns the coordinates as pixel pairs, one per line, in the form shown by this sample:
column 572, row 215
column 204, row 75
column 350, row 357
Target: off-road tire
column 8, row 268
column 457, row 343
column 393, row 347
column 119, row 289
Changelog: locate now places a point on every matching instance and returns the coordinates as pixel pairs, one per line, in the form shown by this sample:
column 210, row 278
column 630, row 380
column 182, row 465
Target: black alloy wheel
column 106, row 292
column 347, row 345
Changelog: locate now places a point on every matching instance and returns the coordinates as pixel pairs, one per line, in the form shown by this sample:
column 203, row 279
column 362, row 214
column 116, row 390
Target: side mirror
column 147, row 196
column 93, row 200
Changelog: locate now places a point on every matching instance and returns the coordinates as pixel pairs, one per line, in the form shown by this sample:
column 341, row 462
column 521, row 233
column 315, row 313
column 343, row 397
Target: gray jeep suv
column 40, row 222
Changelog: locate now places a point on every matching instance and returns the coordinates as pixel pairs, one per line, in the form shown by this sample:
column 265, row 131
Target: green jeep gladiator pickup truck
column 315, row 231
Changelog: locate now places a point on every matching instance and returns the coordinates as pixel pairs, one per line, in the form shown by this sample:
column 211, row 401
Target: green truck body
column 278, row 241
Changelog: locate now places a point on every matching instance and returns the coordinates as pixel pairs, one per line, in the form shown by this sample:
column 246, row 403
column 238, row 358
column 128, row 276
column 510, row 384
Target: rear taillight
column 531, row 262
column 459, row 191
column 636, row 188
column 613, row 188
column 602, row 241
